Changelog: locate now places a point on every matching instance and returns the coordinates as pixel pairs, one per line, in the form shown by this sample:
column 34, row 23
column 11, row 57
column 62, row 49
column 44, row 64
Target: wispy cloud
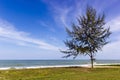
column 42, row 23
column 9, row 32
column 60, row 12
column 112, row 50
column 114, row 24
column 47, row 25
column 63, row 16
column 66, row 11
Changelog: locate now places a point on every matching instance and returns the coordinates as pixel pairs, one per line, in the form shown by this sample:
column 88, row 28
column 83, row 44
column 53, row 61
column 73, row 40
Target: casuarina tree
column 88, row 36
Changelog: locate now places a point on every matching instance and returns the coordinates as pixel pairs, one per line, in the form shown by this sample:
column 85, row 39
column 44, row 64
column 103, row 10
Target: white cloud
column 61, row 15
column 114, row 24
column 103, row 4
column 60, row 12
column 47, row 25
column 9, row 32
column 112, row 50
column 43, row 23
column 65, row 12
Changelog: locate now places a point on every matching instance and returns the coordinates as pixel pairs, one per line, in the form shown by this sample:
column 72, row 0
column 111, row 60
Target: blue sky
column 35, row 29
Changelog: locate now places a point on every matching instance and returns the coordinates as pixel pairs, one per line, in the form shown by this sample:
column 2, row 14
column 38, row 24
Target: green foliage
column 89, row 36
column 62, row 74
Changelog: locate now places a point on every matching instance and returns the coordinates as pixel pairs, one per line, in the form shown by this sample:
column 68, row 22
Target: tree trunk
column 92, row 61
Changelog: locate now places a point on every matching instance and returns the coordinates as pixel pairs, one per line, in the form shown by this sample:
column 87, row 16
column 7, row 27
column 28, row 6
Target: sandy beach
column 108, row 65
column 36, row 67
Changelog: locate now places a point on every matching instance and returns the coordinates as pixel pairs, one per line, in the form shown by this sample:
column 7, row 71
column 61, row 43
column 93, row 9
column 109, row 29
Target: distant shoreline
column 106, row 65
column 36, row 67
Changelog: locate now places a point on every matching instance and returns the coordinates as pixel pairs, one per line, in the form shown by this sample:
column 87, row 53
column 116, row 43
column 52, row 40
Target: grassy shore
column 61, row 74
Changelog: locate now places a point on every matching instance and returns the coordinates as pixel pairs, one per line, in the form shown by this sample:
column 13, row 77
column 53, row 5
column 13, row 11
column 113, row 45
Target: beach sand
column 113, row 65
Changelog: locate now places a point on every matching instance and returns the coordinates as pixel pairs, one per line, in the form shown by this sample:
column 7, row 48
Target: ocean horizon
column 31, row 63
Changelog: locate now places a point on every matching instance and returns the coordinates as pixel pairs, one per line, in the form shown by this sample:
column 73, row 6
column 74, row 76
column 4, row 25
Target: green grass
column 62, row 74
column 110, row 65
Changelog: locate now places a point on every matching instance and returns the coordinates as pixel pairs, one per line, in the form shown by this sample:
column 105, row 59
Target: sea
column 29, row 63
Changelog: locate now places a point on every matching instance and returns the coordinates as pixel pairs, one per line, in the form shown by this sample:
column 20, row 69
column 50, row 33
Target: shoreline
column 37, row 67
column 96, row 65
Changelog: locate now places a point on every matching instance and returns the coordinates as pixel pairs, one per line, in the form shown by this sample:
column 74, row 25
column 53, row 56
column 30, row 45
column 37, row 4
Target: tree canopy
column 88, row 36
